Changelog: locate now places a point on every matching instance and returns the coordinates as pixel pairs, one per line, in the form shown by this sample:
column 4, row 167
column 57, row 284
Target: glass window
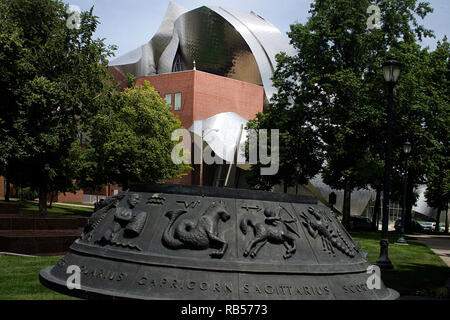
column 178, row 101
column 169, row 99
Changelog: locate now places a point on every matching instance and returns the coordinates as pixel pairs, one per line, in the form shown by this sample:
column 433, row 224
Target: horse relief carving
column 275, row 229
column 319, row 225
column 199, row 234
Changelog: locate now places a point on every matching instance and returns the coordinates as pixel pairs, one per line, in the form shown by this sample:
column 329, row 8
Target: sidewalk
column 439, row 244
column 68, row 204
column 73, row 205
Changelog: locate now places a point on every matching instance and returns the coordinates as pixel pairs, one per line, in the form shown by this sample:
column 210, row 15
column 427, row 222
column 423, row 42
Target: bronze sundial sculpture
column 187, row 242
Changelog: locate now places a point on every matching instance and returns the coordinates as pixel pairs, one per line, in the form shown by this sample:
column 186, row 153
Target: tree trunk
column 438, row 219
column 42, row 200
column 446, row 219
column 409, row 204
column 346, row 205
column 376, row 210
column 285, row 187
column 52, row 194
column 7, row 190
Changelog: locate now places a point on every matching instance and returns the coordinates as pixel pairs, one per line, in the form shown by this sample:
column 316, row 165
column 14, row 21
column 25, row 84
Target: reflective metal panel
column 215, row 45
column 221, row 133
column 264, row 39
column 222, row 41
column 144, row 60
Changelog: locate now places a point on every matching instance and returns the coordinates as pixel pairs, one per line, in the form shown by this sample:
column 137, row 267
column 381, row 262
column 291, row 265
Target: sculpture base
column 179, row 242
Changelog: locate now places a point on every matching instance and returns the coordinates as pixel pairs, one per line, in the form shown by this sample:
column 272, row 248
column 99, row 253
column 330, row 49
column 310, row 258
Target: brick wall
column 214, row 94
column 71, row 197
column 2, row 186
column 204, row 95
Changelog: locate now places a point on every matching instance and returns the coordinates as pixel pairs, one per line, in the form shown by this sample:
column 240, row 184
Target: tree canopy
column 130, row 141
column 51, row 75
column 334, row 95
column 54, row 86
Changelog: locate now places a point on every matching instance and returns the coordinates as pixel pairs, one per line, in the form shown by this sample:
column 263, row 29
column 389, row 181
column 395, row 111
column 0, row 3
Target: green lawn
column 418, row 268
column 33, row 207
column 19, row 279
column 81, row 203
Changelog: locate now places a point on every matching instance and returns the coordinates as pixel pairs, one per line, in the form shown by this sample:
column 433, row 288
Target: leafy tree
column 438, row 173
column 51, row 76
column 337, row 81
column 300, row 155
column 130, row 141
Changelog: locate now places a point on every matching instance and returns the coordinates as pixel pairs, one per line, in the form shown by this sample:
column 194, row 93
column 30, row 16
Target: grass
column 19, row 279
column 419, row 270
column 81, row 203
column 27, row 207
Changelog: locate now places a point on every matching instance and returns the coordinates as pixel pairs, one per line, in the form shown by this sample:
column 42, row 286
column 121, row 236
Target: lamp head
column 391, row 70
column 407, row 147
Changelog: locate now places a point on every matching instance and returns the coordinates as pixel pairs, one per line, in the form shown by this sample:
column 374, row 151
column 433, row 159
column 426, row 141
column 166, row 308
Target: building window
column 178, row 63
column 177, row 101
column 169, row 99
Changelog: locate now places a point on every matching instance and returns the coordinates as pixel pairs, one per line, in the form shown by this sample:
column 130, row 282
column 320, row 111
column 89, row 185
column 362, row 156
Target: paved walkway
column 73, row 205
column 440, row 244
column 69, row 204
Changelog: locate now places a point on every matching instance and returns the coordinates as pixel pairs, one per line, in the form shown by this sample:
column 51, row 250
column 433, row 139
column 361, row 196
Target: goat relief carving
column 275, row 229
column 320, row 225
column 200, row 234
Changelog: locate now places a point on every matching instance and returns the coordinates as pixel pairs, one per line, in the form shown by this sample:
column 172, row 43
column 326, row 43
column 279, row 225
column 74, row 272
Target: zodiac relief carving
column 191, row 204
column 199, row 234
column 102, row 210
column 156, row 200
column 274, row 230
column 321, row 225
column 128, row 223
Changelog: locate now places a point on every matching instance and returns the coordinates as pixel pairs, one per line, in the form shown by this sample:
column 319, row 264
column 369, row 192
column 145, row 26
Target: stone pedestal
column 186, row 242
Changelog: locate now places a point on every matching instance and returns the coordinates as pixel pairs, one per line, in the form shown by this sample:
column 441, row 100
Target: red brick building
column 196, row 95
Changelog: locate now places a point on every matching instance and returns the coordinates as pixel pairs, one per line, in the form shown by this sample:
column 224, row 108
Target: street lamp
column 204, row 133
column 406, row 150
column 391, row 70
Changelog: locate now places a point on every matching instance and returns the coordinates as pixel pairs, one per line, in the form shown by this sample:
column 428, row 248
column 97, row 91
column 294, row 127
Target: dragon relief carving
column 128, row 223
column 320, row 225
column 199, row 234
column 274, row 230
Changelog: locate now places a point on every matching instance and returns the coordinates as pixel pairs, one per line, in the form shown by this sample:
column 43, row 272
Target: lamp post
column 391, row 70
column 406, row 150
column 204, row 133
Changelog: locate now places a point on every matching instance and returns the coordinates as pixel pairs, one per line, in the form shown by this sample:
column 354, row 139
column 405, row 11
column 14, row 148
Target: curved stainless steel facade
column 225, row 42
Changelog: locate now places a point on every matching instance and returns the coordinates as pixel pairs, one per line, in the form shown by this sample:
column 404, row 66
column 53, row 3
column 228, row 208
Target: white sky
column 131, row 23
